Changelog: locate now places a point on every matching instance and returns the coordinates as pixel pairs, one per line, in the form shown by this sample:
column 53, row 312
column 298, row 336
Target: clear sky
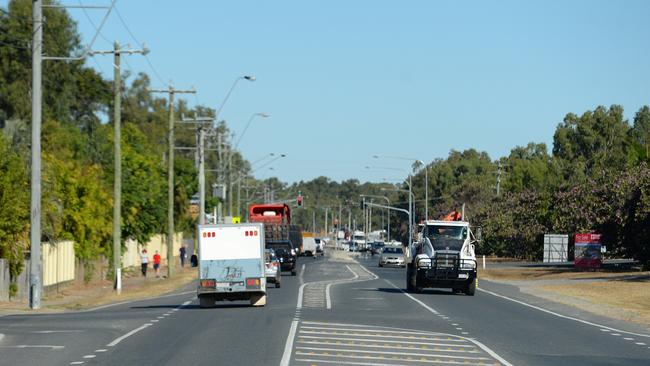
column 345, row 80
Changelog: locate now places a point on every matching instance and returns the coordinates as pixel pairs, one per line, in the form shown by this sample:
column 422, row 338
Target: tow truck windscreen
column 447, row 237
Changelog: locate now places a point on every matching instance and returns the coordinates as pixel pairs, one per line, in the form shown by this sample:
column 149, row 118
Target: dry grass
column 608, row 298
column 533, row 274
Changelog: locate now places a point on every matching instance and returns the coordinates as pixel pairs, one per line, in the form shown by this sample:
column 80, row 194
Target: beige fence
column 58, row 262
column 131, row 256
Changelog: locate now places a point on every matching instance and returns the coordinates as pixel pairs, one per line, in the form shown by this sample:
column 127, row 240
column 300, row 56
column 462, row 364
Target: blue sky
column 345, row 80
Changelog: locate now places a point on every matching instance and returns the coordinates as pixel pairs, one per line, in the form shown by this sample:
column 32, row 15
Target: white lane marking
column 34, row 346
column 131, row 301
column 117, row 340
column 300, row 291
column 100, row 350
column 563, row 316
column 302, row 270
column 384, row 341
column 161, row 317
column 616, row 334
column 343, row 351
column 90, row 356
column 412, row 348
column 328, row 299
column 491, row 353
column 154, row 320
column 1, row 336
column 640, row 343
column 369, row 330
column 377, row 336
column 416, row 300
column 483, row 347
column 77, row 363
column 605, row 330
column 55, row 331
column 286, row 356
column 629, row 339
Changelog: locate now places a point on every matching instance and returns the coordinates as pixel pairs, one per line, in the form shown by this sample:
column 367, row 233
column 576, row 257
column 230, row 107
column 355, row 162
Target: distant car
column 286, row 253
column 377, row 247
column 392, row 256
column 319, row 245
column 273, row 272
column 353, row 247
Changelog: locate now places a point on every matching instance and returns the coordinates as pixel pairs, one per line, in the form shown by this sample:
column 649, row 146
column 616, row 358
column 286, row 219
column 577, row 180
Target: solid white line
column 378, row 353
column 432, row 334
column 383, row 341
column 370, row 272
column 300, row 290
column 116, row 341
column 563, row 316
column 288, row 347
column 491, row 353
column 459, row 339
column 414, row 299
column 328, row 299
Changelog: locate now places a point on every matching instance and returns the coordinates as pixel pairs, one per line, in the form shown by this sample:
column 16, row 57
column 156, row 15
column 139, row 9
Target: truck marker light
column 246, row 232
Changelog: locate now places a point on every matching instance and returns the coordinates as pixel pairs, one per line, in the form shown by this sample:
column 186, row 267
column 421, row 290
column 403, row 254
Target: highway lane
column 335, row 312
column 524, row 335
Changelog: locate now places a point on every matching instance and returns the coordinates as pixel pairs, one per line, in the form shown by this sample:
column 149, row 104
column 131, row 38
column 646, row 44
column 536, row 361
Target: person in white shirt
column 144, row 262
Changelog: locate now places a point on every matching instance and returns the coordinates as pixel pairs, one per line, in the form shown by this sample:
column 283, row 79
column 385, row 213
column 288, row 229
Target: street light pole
column 426, row 178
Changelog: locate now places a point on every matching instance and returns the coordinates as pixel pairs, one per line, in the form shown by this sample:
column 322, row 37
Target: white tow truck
column 231, row 264
column 442, row 257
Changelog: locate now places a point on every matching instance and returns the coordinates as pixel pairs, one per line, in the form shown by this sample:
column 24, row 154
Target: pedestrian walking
column 144, row 262
column 156, row 263
column 183, row 251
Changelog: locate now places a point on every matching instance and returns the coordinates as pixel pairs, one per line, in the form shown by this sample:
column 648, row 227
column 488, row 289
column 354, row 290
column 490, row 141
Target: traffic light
column 299, row 199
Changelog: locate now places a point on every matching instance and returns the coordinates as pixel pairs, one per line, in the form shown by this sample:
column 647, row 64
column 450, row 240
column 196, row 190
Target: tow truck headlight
column 293, row 252
column 424, row 263
column 468, row 265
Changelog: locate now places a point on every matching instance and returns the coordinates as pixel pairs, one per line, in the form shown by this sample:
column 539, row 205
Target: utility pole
column 35, row 284
column 170, row 171
column 117, row 185
column 35, row 268
column 201, row 122
column 498, row 178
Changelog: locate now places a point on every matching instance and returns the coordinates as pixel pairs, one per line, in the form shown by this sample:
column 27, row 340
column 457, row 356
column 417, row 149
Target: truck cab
column 442, row 257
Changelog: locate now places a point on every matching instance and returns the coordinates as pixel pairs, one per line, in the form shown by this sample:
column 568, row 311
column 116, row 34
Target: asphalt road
column 334, row 312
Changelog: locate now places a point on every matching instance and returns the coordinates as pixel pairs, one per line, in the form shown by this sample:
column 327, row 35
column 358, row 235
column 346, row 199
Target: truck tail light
column 208, row 283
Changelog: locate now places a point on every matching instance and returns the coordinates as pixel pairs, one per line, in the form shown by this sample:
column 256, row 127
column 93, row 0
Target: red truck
column 278, row 231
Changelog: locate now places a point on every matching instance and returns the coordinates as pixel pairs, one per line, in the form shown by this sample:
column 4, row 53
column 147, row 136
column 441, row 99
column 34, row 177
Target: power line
column 14, row 46
column 93, row 23
column 140, row 44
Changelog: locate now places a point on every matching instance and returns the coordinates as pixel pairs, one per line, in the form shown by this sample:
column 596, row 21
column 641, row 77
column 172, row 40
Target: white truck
column 308, row 244
column 231, row 264
column 442, row 257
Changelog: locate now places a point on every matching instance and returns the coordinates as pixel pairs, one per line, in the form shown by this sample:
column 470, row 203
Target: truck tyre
column 411, row 279
column 207, row 301
column 471, row 288
column 258, row 300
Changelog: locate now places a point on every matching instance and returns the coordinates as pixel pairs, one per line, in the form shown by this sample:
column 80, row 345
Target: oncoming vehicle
column 443, row 257
column 273, row 272
column 391, row 256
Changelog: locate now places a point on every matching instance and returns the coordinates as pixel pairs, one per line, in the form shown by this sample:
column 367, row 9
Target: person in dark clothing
column 182, row 251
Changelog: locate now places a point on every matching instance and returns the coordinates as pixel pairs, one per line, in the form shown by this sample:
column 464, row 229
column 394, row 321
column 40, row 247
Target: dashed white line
column 640, row 343
column 90, row 356
column 629, row 339
column 100, row 350
column 77, row 363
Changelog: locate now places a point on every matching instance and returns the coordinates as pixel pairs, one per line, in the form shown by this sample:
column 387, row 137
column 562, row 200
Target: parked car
column 392, row 256
column 286, row 253
column 273, row 272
